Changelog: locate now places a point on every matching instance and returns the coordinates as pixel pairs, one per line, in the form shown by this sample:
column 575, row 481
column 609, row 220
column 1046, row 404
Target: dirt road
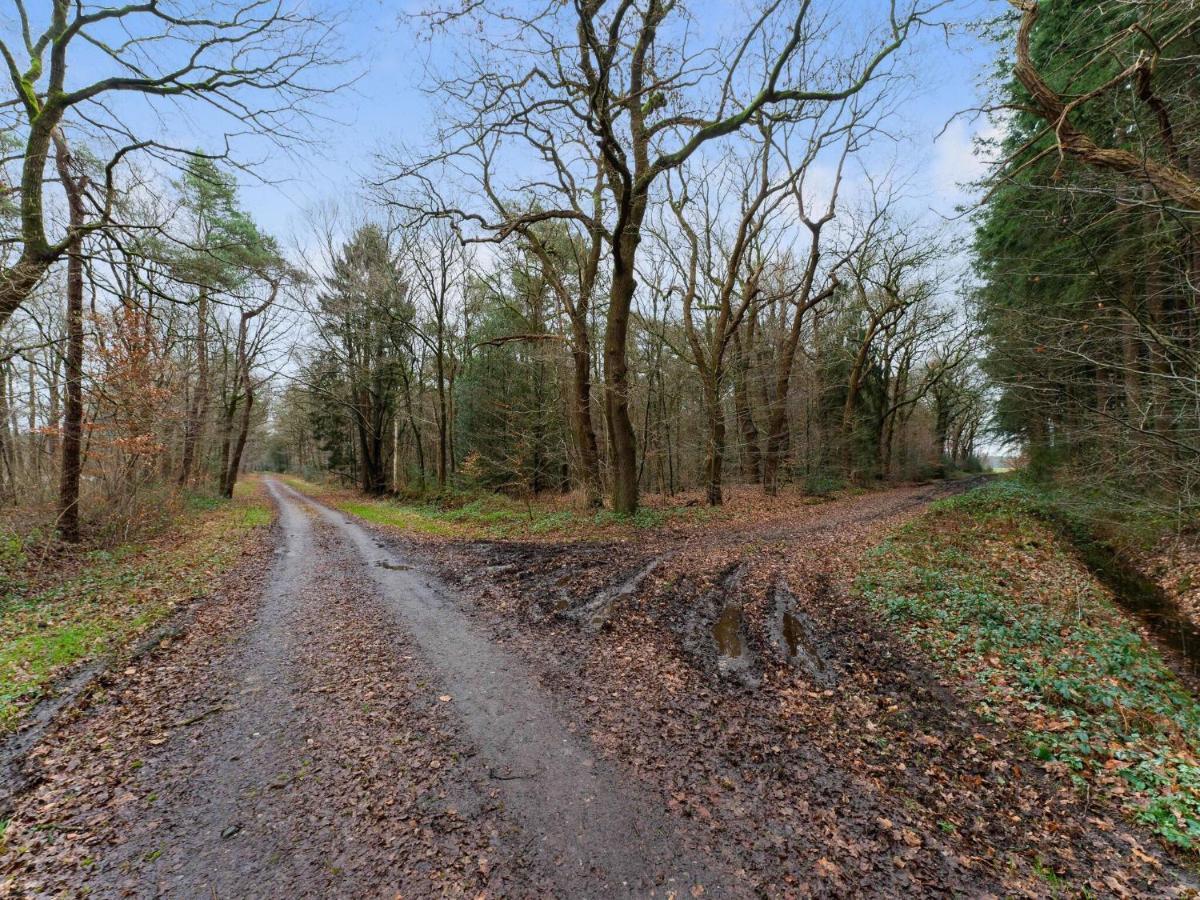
column 331, row 740
column 364, row 716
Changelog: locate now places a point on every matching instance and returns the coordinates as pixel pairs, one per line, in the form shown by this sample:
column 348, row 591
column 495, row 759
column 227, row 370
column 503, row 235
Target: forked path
column 343, row 723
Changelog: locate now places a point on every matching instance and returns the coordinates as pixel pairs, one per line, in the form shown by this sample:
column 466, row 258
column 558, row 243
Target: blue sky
column 386, row 107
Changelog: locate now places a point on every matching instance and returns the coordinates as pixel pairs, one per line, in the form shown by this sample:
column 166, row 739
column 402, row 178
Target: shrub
column 822, row 484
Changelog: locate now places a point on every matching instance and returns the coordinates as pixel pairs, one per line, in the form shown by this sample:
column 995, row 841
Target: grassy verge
column 477, row 515
column 54, row 616
column 991, row 591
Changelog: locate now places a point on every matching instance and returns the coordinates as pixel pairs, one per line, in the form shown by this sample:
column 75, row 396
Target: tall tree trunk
column 885, row 450
column 1130, row 350
column 743, row 411
column 372, row 478
column 451, row 458
column 622, row 440
column 10, row 422
column 853, row 386
column 878, row 427
column 777, row 445
column 229, row 410
column 72, row 443
column 581, row 418
column 239, row 446
column 234, row 456
column 395, row 453
column 55, row 422
column 1157, row 312
column 198, row 407
column 418, row 441
column 360, row 434
column 31, row 413
column 442, row 425
column 778, row 435
column 715, row 445
column 941, row 427
column 7, row 484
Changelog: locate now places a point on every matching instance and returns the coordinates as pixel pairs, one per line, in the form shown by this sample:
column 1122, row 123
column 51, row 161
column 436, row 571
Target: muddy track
column 587, row 583
column 584, row 823
column 347, row 731
column 358, row 736
column 350, row 724
column 291, row 745
column 822, row 755
column 229, row 814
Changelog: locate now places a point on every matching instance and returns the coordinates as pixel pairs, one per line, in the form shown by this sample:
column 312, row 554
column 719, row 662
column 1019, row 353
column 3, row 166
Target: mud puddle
column 713, row 629
column 727, row 633
column 795, row 634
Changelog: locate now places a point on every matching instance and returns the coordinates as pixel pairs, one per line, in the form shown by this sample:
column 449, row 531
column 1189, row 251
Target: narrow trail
column 225, row 780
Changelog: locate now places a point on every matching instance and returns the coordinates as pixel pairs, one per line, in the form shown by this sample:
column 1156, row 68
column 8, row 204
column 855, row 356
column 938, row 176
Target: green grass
column 108, row 597
column 987, row 587
column 256, row 517
column 473, row 515
column 407, row 517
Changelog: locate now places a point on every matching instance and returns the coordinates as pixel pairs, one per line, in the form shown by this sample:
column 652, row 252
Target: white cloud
column 956, row 162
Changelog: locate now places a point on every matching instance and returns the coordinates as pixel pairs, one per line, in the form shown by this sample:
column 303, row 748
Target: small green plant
column 257, row 517
column 202, row 502
column 114, row 593
column 1048, row 875
column 822, row 484
column 968, row 583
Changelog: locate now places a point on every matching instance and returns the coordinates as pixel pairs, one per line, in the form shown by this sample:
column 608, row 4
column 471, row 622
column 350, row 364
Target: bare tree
column 887, row 279
column 72, row 433
column 802, row 285
column 439, row 270
column 719, row 266
column 571, row 266
column 613, row 92
column 250, row 60
column 248, row 347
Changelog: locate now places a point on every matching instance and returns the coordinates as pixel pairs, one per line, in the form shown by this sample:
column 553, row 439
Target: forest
column 640, row 377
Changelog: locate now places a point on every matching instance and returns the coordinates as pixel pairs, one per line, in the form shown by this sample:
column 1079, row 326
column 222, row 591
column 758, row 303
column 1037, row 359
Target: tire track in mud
column 851, row 768
column 255, row 726
column 595, row 835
